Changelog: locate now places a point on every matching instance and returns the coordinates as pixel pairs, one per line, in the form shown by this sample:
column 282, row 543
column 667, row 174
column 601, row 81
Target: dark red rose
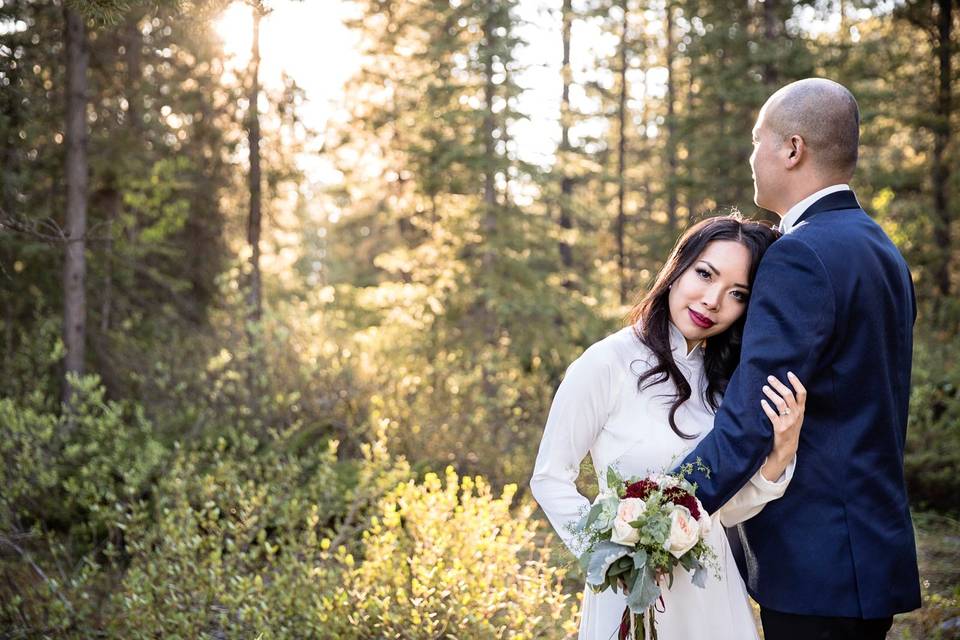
column 679, row 496
column 640, row 489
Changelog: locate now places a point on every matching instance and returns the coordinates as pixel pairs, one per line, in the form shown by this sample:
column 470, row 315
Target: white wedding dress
column 597, row 408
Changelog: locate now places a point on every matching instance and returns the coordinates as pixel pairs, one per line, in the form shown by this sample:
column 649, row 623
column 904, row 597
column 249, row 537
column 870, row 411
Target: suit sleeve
column 580, row 408
column 788, row 326
column 754, row 496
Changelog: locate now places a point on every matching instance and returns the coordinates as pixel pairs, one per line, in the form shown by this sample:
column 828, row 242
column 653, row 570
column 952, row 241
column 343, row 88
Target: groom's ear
column 796, row 149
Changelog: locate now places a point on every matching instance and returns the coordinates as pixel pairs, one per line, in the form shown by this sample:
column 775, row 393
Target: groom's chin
column 759, row 201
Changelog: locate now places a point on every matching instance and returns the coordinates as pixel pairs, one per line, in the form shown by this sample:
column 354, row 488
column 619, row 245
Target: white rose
column 705, row 523
column 665, row 481
column 630, row 509
column 684, row 532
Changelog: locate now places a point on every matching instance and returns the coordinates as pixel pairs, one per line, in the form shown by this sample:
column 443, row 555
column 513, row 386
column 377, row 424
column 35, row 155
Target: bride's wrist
column 781, row 458
column 774, row 466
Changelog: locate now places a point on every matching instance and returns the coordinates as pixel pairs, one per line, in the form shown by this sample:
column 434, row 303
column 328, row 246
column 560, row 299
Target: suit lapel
column 836, row 201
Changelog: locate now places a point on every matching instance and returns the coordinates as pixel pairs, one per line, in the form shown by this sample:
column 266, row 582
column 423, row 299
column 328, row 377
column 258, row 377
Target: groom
column 833, row 302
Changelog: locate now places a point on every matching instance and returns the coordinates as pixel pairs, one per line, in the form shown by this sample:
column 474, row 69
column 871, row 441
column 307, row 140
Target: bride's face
column 712, row 293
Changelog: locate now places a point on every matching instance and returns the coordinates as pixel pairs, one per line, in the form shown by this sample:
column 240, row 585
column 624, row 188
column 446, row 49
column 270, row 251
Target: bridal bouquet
column 636, row 533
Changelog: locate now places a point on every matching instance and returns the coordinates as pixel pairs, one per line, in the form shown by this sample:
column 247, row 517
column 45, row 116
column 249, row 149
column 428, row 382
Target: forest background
column 238, row 400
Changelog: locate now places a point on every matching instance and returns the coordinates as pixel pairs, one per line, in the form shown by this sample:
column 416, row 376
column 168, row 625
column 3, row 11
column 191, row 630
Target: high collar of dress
column 678, row 344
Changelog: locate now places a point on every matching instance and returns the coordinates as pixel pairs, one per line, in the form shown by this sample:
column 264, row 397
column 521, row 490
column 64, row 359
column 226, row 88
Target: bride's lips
column 701, row 321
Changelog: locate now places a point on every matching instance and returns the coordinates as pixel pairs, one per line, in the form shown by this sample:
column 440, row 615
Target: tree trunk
column 110, row 198
column 689, row 195
column 254, row 291
column 489, row 144
column 133, row 43
column 489, row 221
column 941, row 142
column 622, row 155
column 671, row 128
column 566, row 181
column 644, row 146
column 771, row 34
column 74, row 266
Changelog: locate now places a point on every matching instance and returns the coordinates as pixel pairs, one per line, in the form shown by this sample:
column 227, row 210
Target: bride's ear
column 796, row 149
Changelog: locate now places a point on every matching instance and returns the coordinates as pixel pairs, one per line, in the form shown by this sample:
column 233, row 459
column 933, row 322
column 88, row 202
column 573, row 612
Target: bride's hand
column 787, row 419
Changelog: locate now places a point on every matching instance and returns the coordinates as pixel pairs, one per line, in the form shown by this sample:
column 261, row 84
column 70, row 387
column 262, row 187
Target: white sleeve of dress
column 754, row 495
column 579, row 410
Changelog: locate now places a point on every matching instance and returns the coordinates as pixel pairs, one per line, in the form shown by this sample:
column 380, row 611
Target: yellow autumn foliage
column 449, row 559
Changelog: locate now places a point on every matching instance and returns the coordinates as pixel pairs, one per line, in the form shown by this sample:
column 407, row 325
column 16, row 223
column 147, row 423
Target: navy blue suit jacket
column 833, row 302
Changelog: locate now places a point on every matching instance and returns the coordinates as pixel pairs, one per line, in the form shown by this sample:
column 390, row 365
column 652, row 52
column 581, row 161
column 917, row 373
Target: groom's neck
column 801, row 190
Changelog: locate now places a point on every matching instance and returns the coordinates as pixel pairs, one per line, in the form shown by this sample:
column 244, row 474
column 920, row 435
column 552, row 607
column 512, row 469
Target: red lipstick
column 701, row 321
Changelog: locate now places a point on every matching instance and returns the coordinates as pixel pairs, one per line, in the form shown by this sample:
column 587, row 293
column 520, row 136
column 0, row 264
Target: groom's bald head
column 823, row 113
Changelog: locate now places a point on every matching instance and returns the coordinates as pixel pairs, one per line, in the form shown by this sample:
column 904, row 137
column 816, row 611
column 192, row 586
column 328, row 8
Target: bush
column 69, row 481
column 80, row 469
column 932, row 458
column 245, row 546
column 453, row 562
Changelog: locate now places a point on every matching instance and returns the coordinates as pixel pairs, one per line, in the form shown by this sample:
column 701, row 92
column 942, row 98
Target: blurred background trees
column 236, row 420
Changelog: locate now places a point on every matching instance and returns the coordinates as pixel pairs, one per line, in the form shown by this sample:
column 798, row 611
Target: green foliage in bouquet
column 636, row 532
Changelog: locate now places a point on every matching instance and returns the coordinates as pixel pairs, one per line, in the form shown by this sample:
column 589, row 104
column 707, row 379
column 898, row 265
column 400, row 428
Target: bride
column 641, row 399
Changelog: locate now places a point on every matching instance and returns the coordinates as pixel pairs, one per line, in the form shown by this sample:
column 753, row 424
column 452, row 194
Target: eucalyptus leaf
column 590, row 517
column 604, row 555
column 614, row 482
column 640, row 559
column 584, row 560
column 700, row 576
column 644, row 592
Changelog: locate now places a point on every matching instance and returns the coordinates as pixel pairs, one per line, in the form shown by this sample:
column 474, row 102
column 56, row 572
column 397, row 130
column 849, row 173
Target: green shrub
column 932, row 458
column 241, row 547
column 68, row 483
column 452, row 561
column 242, row 537
column 232, row 542
column 80, row 469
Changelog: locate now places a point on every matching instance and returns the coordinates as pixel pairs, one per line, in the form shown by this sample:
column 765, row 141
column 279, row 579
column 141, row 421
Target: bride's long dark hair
column 650, row 317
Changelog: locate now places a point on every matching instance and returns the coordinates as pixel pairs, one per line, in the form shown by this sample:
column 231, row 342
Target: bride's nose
column 711, row 298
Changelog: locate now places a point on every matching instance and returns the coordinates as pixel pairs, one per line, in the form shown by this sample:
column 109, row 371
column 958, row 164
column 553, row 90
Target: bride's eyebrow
column 716, row 272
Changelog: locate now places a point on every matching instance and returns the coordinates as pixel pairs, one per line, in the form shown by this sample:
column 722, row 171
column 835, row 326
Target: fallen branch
column 43, row 576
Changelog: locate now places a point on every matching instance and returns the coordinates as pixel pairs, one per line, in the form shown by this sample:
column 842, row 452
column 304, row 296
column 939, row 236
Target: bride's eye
column 739, row 296
column 703, row 273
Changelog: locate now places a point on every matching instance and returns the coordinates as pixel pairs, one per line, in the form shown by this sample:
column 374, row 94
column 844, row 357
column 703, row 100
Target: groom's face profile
column 763, row 162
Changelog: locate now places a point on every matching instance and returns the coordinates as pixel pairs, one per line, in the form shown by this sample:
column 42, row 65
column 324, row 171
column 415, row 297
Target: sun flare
column 235, row 28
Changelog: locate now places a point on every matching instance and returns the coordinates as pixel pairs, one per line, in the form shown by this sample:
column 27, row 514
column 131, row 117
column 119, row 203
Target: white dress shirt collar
column 789, row 221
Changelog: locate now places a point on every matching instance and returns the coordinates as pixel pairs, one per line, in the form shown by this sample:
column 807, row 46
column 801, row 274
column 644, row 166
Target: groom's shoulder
column 842, row 234
column 831, row 232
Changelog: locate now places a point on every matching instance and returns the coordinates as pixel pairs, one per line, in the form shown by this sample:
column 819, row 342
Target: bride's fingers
column 773, row 415
column 777, row 400
column 783, row 390
column 798, row 387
